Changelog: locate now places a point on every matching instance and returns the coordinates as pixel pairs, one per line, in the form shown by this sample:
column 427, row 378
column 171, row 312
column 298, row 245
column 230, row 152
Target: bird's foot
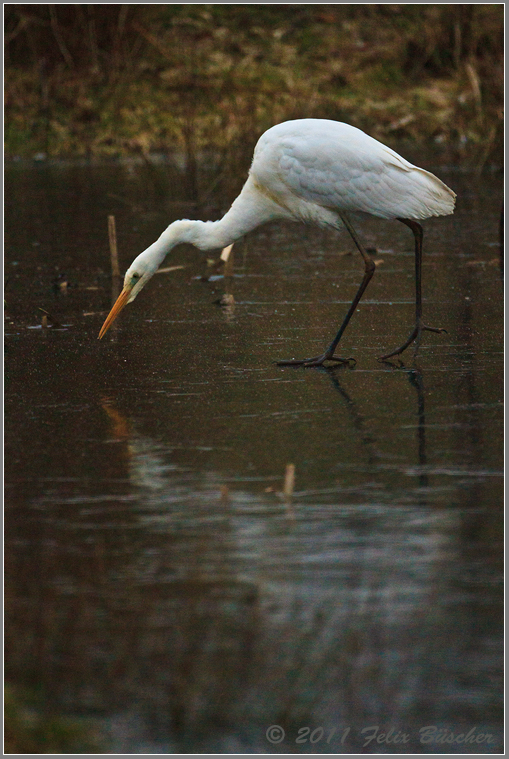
column 316, row 361
column 415, row 335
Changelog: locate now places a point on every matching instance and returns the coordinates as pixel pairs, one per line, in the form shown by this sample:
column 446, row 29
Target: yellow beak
column 119, row 304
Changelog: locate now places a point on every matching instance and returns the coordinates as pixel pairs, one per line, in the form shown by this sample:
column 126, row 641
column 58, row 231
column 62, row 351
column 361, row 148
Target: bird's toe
column 316, row 361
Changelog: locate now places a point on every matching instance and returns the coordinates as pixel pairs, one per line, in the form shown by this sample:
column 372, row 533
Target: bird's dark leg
column 419, row 326
column 328, row 355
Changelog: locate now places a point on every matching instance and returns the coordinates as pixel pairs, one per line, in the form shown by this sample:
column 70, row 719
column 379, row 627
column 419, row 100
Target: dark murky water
column 156, row 575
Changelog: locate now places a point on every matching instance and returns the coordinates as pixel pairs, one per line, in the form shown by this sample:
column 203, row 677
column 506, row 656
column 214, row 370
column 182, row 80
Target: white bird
column 312, row 170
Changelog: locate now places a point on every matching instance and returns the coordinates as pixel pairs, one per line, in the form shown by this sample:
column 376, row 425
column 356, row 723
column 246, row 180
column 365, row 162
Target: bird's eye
column 135, row 277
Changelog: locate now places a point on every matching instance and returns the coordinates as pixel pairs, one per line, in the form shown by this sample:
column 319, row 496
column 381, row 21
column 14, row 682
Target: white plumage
column 311, row 170
column 312, row 165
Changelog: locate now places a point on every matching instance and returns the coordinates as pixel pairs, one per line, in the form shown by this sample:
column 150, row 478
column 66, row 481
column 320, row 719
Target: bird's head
column 136, row 277
column 147, row 263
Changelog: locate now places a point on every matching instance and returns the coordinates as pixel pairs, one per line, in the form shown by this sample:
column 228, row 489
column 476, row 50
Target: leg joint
column 370, row 266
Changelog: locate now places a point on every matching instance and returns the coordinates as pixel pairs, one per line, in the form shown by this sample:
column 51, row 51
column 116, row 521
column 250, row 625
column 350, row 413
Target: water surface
column 157, row 576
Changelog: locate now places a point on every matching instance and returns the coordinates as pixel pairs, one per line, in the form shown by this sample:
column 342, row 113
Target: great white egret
column 312, row 170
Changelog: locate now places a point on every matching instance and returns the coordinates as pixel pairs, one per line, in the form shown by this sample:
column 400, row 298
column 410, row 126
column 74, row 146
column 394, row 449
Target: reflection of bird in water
column 312, row 170
column 358, row 420
column 416, row 380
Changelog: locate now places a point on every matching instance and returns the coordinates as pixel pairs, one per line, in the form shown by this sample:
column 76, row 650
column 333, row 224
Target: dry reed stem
column 289, row 480
column 115, row 268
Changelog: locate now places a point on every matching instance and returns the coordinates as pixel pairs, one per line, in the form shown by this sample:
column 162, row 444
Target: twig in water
column 170, row 268
column 115, row 269
column 289, row 481
column 49, row 320
column 227, row 257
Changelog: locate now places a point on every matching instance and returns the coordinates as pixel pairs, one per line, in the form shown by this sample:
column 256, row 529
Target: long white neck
column 250, row 209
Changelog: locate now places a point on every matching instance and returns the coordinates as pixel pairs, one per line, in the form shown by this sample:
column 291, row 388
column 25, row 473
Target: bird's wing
column 357, row 173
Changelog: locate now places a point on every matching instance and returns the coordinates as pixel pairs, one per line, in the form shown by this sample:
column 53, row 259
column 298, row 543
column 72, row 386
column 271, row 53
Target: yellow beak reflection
column 120, row 303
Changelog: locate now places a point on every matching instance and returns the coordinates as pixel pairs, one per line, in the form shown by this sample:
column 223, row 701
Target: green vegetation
column 29, row 730
column 110, row 80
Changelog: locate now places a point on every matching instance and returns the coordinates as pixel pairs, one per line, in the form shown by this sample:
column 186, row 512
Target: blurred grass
column 112, row 80
column 28, row 729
